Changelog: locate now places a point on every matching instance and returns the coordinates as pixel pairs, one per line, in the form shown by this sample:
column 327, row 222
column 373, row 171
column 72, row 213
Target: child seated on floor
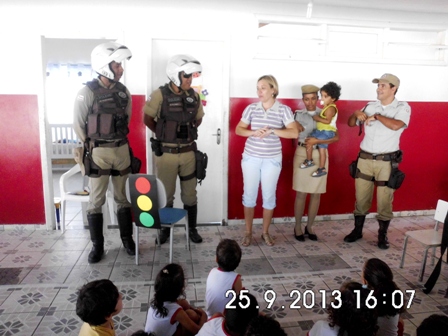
column 435, row 324
column 325, row 126
column 98, row 301
column 235, row 320
column 142, row 333
column 264, row 325
column 169, row 314
column 223, row 278
column 352, row 318
column 377, row 275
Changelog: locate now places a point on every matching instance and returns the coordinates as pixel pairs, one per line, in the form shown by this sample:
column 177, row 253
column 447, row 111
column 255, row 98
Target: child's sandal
column 319, row 172
column 267, row 239
column 306, row 164
column 247, row 239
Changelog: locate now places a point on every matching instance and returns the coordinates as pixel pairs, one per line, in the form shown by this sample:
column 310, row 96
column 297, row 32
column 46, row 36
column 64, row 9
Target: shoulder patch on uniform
column 80, row 98
column 122, row 94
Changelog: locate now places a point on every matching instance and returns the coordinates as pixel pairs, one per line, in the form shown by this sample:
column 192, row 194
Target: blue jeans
column 265, row 170
column 322, row 135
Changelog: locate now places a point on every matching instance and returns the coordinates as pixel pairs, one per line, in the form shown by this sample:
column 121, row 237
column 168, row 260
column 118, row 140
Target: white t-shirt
column 218, row 283
column 213, row 327
column 388, row 325
column 163, row 325
column 321, row 328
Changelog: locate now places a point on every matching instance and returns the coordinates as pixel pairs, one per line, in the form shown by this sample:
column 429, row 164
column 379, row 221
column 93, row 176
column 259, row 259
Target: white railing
column 63, row 141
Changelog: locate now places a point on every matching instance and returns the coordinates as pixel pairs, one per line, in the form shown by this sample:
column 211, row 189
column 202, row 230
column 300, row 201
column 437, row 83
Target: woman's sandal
column 267, row 239
column 247, row 239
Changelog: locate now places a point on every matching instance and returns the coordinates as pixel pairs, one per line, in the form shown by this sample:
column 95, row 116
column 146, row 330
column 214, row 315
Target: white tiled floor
column 41, row 271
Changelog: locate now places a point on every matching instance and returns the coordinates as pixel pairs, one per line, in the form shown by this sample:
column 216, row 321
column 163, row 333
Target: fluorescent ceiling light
column 309, row 10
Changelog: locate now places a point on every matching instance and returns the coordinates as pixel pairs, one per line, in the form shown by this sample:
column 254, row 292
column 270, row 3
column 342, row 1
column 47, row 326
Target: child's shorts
column 322, row 135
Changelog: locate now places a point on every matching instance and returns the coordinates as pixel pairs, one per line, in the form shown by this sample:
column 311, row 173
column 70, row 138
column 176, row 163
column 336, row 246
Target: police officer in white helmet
column 101, row 117
column 174, row 113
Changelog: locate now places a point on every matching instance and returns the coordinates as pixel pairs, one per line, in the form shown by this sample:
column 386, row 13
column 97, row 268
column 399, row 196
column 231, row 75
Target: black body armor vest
column 107, row 119
column 177, row 123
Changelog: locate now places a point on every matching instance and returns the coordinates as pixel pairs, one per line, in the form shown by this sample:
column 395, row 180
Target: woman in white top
column 262, row 158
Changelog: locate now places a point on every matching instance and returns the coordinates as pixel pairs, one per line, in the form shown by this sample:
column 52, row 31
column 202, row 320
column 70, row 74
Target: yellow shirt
column 88, row 330
column 332, row 125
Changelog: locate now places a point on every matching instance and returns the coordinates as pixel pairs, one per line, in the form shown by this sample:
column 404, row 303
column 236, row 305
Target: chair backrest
column 147, row 195
column 161, row 192
column 441, row 211
column 65, row 177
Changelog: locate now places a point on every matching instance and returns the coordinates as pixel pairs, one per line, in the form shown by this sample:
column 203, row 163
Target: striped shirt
column 276, row 117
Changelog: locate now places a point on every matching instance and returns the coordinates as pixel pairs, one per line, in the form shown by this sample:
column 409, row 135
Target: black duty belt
column 111, row 144
column 378, row 157
column 178, row 150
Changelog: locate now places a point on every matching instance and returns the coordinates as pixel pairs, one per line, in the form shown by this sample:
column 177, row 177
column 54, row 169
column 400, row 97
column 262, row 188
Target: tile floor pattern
column 40, row 273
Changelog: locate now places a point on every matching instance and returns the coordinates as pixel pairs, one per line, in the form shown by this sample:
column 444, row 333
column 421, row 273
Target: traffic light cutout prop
column 144, row 199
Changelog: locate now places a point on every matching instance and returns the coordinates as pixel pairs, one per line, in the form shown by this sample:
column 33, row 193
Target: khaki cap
column 388, row 78
column 309, row 88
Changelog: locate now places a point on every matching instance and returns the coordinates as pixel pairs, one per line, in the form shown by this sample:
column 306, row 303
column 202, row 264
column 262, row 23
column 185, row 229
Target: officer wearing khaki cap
column 384, row 120
column 303, row 183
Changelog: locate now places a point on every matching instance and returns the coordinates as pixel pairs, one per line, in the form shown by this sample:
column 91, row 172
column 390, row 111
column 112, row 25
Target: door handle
column 218, row 136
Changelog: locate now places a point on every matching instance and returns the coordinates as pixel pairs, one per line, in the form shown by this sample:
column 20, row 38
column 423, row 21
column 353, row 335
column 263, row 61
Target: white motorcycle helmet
column 179, row 63
column 105, row 53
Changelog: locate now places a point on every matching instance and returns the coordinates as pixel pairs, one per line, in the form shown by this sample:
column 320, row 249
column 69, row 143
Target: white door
column 212, row 194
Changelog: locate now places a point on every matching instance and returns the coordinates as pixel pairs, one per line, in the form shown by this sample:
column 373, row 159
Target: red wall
column 21, row 196
column 425, row 162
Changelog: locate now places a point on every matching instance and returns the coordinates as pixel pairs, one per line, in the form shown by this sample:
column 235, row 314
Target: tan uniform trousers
column 169, row 166
column 381, row 170
column 109, row 158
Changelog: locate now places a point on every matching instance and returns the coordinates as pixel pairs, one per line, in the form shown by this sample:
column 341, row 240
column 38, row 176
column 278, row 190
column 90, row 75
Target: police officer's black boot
column 164, row 235
column 357, row 231
column 192, row 210
column 383, row 242
column 125, row 225
column 96, row 235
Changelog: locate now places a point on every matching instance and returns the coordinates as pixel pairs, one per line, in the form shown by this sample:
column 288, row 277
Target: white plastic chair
column 68, row 196
column 428, row 238
column 169, row 217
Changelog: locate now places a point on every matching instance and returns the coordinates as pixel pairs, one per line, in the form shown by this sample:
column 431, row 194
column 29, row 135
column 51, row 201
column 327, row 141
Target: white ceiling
column 424, row 6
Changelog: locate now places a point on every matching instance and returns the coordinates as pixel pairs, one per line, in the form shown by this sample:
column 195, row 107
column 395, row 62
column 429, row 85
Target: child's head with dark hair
column 378, row 276
column 332, row 89
column 97, row 301
column 263, row 325
column 245, row 309
column 143, row 333
column 228, row 255
column 376, row 271
column 436, row 324
column 353, row 317
column 169, row 285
